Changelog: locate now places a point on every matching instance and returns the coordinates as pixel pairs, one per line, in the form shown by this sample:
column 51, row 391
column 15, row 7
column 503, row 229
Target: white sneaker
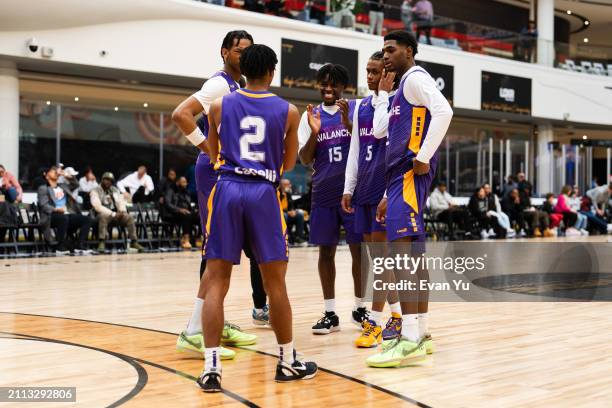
column 572, row 232
column 522, row 234
column 510, row 233
column 609, row 228
column 584, row 232
column 61, row 253
column 484, row 235
column 83, row 252
column 491, row 233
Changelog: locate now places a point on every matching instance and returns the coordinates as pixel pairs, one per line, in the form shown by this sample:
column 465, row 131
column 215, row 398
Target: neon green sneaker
column 194, row 344
column 233, row 336
column 429, row 347
column 398, row 352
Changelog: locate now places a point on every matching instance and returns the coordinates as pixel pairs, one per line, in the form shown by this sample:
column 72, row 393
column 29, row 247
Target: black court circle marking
column 326, row 370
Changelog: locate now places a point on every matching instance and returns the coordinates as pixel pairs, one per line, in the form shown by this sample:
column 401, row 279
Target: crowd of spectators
column 515, row 215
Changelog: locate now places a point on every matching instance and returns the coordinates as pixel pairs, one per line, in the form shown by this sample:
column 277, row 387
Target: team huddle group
column 373, row 159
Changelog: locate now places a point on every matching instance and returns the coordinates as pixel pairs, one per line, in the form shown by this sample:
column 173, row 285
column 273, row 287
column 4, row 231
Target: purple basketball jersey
column 252, row 135
column 408, row 125
column 333, row 143
column 206, row 176
column 371, row 169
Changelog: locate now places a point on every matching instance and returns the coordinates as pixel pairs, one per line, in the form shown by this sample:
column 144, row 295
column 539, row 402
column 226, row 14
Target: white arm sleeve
column 121, row 185
column 303, row 130
column 381, row 115
column 212, row 89
column 352, row 163
column 420, row 89
column 149, row 186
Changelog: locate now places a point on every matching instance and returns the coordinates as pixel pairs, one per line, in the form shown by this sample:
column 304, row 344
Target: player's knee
column 327, row 253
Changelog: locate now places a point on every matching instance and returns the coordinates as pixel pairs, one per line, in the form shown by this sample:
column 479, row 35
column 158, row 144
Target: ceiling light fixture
column 569, row 12
column 585, row 40
column 76, row 98
column 584, row 137
column 146, row 105
column 587, row 22
column 116, row 108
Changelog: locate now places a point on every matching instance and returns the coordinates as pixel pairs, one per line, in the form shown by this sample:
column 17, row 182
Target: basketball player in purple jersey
column 253, row 139
column 325, row 137
column 364, row 187
column 221, row 83
column 418, row 120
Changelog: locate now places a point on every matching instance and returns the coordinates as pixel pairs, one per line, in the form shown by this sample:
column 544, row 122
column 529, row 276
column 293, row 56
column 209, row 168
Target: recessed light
column 587, row 22
column 76, row 98
column 586, row 40
column 48, row 102
column 584, row 137
column 569, row 12
column 146, row 105
column 116, row 108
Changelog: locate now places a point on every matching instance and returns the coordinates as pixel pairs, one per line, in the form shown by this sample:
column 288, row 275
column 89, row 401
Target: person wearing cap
column 60, row 210
column 110, row 208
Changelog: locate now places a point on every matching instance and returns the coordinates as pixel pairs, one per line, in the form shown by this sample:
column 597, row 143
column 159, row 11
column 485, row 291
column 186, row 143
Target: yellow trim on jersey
column 418, row 124
column 219, row 162
column 254, row 95
column 209, row 205
column 283, row 223
column 409, row 191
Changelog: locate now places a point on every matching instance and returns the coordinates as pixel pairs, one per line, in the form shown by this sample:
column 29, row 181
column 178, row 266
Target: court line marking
column 131, row 360
column 327, row 370
column 143, row 376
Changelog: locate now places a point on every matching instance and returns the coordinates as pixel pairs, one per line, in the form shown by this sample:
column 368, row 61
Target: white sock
column 423, row 330
column 258, row 310
column 376, row 316
column 330, row 305
column 410, row 327
column 358, row 303
column 212, row 357
column 286, row 352
column 195, row 323
column 396, row 308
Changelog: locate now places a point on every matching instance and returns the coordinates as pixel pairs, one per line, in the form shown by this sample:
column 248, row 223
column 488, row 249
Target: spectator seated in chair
column 549, row 208
column 569, row 216
column 537, row 220
column 293, row 215
column 600, row 197
column 574, row 202
column 511, row 205
column 442, row 209
column 9, row 186
column 596, row 222
column 59, row 209
column 87, row 183
column 496, row 211
column 110, row 208
column 137, row 186
column 487, row 223
column 180, row 211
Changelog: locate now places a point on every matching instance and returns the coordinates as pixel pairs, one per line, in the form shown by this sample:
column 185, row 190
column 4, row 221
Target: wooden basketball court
column 108, row 326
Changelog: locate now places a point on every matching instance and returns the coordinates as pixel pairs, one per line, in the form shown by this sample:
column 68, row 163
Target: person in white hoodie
column 138, row 186
column 443, row 209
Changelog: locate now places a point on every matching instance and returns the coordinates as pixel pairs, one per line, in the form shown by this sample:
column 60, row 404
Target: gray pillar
column 546, row 32
column 544, row 159
column 9, row 116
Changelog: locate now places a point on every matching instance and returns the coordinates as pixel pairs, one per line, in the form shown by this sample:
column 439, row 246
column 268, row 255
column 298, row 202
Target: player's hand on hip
column 386, row 81
column 314, row 119
column 381, row 210
column 420, row 168
column 346, row 204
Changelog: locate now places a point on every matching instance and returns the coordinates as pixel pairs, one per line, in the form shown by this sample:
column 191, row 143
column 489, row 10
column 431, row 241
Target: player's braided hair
column 335, row 73
column 233, row 37
column 257, row 60
column 404, row 38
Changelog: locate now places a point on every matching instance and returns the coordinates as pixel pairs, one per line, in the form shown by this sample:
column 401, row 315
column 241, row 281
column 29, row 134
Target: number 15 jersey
column 331, row 154
column 252, row 135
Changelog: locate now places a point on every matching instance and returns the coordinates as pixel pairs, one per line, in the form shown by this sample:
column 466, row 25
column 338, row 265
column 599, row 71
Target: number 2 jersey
column 331, row 154
column 252, row 135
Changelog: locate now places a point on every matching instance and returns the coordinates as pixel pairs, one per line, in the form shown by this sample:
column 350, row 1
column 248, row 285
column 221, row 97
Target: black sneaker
column 210, row 381
column 299, row 370
column 360, row 315
column 327, row 324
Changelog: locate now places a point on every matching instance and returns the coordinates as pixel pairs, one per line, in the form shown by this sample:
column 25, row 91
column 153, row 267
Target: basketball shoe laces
column 391, row 323
column 325, row 320
column 232, row 326
column 368, row 328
